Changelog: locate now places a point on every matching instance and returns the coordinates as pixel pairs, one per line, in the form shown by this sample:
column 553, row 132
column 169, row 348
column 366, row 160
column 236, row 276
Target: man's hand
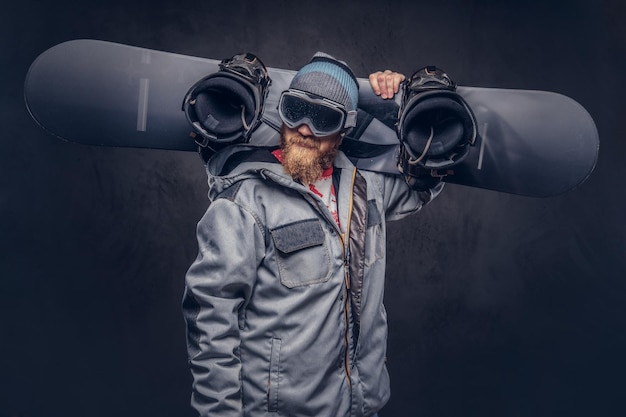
column 386, row 83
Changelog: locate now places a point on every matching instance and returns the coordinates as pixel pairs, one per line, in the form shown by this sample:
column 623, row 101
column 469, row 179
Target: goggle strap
column 350, row 119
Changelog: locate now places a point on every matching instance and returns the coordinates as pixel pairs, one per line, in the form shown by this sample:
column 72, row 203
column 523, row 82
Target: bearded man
column 284, row 303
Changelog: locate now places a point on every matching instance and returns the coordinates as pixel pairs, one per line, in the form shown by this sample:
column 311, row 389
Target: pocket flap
column 299, row 235
column 373, row 217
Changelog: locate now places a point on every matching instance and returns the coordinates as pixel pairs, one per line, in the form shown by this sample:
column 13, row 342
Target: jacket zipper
column 346, row 275
column 346, row 305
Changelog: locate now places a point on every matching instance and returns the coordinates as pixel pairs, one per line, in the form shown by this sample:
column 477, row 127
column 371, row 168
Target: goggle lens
column 323, row 120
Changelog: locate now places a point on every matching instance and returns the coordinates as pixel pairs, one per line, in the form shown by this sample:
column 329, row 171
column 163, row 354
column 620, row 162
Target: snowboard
column 531, row 143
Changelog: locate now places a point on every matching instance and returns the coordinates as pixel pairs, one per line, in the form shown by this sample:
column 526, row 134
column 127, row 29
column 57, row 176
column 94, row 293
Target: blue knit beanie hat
column 330, row 78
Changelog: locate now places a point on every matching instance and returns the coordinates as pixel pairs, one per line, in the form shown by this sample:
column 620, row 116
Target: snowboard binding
column 226, row 107
column 436, row 126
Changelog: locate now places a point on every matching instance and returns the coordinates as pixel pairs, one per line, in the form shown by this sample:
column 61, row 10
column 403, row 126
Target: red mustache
column 303, row 141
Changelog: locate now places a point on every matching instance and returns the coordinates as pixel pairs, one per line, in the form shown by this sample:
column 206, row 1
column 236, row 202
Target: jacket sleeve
column 217, row 288
column 401, row 200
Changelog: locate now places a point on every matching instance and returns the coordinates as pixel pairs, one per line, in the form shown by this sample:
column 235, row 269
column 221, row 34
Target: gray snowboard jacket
column 284, row 309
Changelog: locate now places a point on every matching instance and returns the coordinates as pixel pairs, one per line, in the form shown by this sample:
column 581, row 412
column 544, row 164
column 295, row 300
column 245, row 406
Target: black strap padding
column 249, row 155
column 219, row 103
column 357, row 149
column 353, row 147
column 385, row 111
column 226, row 107
column 436, row 126
column 441, row 120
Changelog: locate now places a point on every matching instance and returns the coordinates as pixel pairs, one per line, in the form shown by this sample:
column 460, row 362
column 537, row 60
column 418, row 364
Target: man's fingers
column 396, row 82
column 389, row 79
column 386, row 83
column 374, row 82
column 382, row 84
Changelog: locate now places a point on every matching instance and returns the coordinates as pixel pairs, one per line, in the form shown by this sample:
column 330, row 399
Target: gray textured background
column 498, row 305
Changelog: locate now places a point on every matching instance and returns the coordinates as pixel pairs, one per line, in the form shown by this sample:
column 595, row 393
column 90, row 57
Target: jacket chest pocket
column 301, row 253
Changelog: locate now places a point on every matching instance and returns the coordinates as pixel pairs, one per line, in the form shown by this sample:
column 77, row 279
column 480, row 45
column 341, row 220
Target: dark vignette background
column 498, row 305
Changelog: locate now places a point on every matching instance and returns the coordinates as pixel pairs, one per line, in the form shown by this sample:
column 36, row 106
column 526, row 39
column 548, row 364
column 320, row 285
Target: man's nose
column 305, row 130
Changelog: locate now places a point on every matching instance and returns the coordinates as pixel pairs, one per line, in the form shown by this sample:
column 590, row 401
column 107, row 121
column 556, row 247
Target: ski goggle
column 324, row 117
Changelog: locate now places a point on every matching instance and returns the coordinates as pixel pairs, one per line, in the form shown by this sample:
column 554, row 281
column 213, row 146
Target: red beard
column 303, row 159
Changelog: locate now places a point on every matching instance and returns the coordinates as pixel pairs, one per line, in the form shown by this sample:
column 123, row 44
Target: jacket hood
column 235, row 163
